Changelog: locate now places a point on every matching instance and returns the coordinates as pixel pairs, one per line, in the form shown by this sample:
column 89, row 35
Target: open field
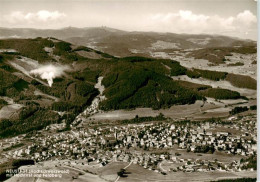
column 140, row 174
column 198, row 110
column 135, row 173
column 10, row 110
column 247, row 68
column 218, row 84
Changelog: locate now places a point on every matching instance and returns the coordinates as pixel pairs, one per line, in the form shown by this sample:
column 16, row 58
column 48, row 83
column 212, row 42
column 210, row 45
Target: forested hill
column 129, row 82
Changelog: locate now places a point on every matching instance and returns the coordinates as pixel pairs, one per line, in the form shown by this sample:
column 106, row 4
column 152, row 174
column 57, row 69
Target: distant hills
column 122, row 43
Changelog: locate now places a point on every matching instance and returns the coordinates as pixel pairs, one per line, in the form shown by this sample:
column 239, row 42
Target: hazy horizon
column 235, row 18
column 235, row 37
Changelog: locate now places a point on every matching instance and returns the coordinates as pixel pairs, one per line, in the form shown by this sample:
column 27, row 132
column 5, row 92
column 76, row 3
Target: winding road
column 118, row 177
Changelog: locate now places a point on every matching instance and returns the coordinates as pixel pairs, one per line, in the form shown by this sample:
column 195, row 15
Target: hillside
column 56, row 79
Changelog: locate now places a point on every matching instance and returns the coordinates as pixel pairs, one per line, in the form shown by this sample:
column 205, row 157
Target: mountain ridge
column 123, row 43
column 119, row 30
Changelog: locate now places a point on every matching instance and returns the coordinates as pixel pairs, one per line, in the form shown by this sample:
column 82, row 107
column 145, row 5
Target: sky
column 237, row 18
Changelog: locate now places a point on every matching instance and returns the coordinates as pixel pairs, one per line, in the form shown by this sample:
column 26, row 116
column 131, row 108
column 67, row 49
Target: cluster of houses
column 149, row 144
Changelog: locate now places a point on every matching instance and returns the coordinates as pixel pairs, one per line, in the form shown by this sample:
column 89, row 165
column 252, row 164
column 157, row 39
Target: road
column 118, row 177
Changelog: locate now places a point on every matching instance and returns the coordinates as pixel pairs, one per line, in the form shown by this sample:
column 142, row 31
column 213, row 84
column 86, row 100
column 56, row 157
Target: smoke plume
column 49, row 72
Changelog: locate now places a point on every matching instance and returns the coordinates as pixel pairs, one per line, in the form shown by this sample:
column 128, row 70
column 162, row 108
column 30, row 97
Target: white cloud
column 246, row 18
column 182, row 21
column 185, row 21
column 46, row 15
column 37, row 17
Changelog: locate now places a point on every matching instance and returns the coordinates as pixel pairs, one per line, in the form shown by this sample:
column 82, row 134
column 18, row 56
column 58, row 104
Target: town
column 161, row 146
